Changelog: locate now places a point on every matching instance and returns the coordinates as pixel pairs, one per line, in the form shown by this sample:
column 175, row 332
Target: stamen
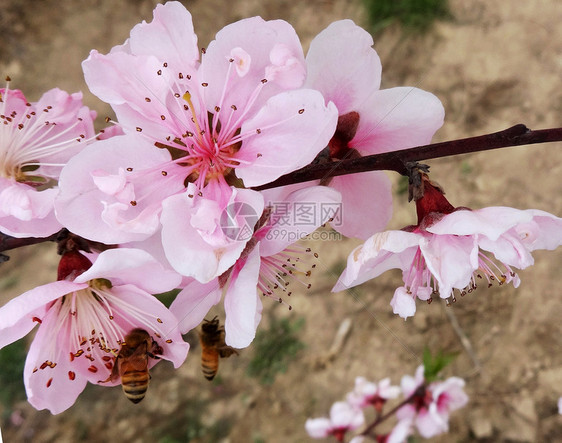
column 187, row 98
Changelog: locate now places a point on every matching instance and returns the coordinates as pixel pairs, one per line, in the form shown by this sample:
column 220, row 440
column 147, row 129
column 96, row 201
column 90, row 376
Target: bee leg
column 106, row 380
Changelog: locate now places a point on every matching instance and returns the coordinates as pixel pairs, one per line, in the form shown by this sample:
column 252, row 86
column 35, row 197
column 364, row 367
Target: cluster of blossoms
column 451, row 249
column 166, row 198
column 425, row 407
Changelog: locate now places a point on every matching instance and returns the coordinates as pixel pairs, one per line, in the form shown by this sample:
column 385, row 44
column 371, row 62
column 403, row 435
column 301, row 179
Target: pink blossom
column 84, row 320
column 239, row 110
column 36, row 140
column 368, row 393
column 409, row 384
column 238, row 117
column 269, row 262
column 560, row 405
column 430, row 408
column 343, row 418
column 345, row 68
column 454, row 252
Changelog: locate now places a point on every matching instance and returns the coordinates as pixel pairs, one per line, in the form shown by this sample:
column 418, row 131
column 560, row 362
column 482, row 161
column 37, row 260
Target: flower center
column 93, row 322
column 29, row 137
column 277, row 271
column 422, row 284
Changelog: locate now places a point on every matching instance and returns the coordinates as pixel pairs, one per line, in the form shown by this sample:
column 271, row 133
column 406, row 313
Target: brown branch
column 396, row 161
column 391, row 161
column 7, row 243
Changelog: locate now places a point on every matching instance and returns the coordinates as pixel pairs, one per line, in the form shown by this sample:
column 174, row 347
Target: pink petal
column 84, row 209
column 343, row 415
column 383, row 251
column 318, row 427
column 367, row 203
column 508, row 249
column 26, row 212
column 170, row 36
column 408, row 411
column 51, row 388
column 430, row 424
column 544, row 232
column 409, row 384
column 74, row 124
column 450, row 394
column 261, row 41
column 194, row 241
column 400, row 432
column 17, row 316
column 242, row 304
column 193, row 303
column 138, row 95
column 491, row 222
column 132, row 266
column 397, row 118
column 306, row 210
column 451, row 260
column 289, row 131
column 343, row 66
column 403, row 303
column 281, row 193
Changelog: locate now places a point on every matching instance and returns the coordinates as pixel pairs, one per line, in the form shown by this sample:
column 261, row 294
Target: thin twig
column 462, row 337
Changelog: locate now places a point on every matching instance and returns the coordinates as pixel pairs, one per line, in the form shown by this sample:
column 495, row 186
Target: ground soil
column 493, row 65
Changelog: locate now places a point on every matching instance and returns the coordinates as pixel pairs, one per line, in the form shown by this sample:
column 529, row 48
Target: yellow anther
column 187, row 98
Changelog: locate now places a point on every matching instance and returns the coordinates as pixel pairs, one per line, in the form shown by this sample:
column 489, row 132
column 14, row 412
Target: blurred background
column 492, row 64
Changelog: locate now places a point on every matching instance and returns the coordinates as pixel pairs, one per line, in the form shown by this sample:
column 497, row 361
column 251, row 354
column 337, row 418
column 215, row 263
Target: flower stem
column 420, row 391
column 396, row 160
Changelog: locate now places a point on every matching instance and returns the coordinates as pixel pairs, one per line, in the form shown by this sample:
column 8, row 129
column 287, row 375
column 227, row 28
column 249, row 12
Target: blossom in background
column 343, row 418
column 400, row 432
column 84, row 317
column 268, row 263
column 429, row 411
column 560, row 405
column 367, row 393
column 452, row 249
column 36, row 141
column 345, row 68
column 425, row 407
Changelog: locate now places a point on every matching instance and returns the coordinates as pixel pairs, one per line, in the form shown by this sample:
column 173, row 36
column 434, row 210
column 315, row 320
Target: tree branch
column 396, row 161
column 7, row 243
column 391, row 161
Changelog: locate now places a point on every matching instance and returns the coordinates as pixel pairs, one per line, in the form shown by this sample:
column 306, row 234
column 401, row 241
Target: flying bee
column 131, row 364
column 213, row 347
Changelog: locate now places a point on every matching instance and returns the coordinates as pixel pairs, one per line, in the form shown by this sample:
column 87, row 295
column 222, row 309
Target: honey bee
column 213, row 347
column 131, row 364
